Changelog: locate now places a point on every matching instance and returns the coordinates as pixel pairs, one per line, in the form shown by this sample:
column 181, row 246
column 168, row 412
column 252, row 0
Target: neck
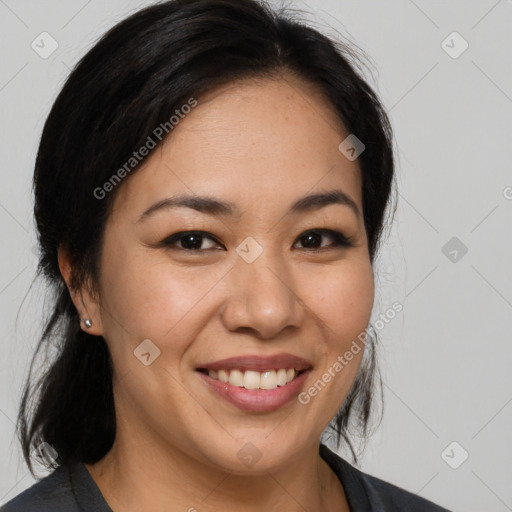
column 135, row 476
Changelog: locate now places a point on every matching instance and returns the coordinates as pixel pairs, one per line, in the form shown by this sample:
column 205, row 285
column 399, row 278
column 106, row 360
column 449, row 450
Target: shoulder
column 393, row 497
column 50, row 494
column 369, row 493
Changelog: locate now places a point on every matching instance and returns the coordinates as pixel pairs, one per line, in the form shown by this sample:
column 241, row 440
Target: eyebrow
column 213, row 206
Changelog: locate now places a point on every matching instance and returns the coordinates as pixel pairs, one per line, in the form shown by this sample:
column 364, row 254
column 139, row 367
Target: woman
column 210, row 192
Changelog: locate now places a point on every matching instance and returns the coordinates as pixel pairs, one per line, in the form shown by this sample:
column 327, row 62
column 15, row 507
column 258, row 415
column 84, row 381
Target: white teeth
column 236, row 378
column 268, row 380
column 281, row 377
column 250, row 379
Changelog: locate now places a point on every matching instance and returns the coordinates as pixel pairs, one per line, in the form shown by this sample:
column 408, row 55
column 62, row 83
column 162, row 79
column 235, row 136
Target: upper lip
column 258, row 363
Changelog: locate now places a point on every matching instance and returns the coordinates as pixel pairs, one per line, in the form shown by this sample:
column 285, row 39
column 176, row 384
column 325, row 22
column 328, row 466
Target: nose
column 261, row 299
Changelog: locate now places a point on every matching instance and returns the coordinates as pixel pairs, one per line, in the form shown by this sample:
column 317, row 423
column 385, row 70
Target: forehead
column 252, row 140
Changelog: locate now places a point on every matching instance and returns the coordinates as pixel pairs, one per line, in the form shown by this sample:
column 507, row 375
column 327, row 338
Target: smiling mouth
column 250, row 379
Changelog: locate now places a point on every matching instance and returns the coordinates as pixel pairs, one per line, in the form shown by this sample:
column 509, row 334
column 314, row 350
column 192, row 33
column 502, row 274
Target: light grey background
column 446, row 357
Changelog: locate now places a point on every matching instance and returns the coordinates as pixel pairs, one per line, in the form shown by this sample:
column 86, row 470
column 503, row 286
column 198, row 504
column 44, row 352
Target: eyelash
column 340, row 240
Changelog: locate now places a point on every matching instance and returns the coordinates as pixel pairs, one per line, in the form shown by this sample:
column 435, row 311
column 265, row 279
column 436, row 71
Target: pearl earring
column 88, row 323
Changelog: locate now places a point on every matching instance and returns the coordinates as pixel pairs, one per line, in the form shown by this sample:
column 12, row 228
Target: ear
column 87, row 306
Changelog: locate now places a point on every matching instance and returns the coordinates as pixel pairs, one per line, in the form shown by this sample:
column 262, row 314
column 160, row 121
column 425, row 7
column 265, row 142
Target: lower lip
column 257, row 400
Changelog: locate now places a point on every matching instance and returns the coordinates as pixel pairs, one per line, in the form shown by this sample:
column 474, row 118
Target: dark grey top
column 72, row 489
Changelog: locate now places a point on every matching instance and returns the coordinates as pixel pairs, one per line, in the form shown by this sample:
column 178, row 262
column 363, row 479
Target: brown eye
column 193, row 241
column 312, row 239
column 189, row 241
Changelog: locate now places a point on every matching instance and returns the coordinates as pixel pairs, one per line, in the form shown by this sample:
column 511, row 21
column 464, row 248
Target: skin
column 261, row 144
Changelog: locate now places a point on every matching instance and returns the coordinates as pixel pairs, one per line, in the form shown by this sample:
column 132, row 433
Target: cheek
column 343, row 299
column 146, row 297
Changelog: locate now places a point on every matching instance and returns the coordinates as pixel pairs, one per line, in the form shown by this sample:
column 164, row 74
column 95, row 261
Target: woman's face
column 254, row 285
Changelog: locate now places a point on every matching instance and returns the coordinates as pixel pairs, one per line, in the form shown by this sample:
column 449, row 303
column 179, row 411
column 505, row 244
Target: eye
column 190, row 241
column 310, row 239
